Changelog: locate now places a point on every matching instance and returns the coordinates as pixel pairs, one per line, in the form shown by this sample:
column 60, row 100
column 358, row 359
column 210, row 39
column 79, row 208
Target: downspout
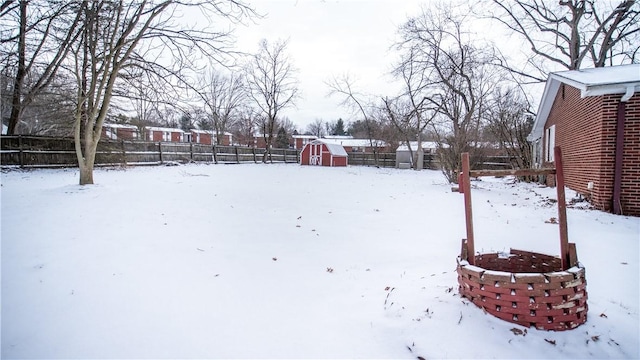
column 617, row 179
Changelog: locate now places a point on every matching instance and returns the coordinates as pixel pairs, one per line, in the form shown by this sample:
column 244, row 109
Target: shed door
column 315, row 157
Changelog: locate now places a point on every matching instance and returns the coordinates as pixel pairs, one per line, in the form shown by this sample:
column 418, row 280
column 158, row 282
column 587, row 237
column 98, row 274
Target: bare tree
column 316, row 128
column 288, row 125
column 243, row 129
column 412, row 112
column 510, row 122
column 111, row 33
column 223, row 96
column 568, row 33
column 272, row 84
column 36, row 38
column 457, row 78
column 344, row 87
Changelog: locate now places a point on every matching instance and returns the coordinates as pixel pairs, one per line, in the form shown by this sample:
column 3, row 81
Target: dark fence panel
column 42, row 151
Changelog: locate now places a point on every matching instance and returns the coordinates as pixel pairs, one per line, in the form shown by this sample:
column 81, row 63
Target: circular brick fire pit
column 523, row 287
column 526, row 288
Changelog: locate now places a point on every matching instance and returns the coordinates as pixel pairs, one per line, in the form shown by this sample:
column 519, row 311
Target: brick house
column 119, row 131
column 206, row 136
column 164, row 134
column 299, row 141
column 594, row 116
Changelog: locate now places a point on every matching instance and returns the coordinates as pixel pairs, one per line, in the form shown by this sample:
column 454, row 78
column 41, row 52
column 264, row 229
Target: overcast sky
column 330, row 38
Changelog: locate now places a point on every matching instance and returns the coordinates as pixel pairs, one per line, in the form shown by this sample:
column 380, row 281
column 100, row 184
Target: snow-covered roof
column 209, row 132
column 337, row 137
column 198, row 131
column 119, row 126
column 622, row 79
column 304, row 136
column 334, row 149
column 154, row 128
column 355, row 142
column 414, row 145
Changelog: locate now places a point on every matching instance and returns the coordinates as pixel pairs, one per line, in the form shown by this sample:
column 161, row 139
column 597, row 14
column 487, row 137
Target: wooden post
column 237, row 155
column 124, row 153
column 160, row 150
column 562, row 209
column 255, row 159
column 284, row 154
column 215, row 158
column 21, row 152
column 191, row 151
column 466, row 188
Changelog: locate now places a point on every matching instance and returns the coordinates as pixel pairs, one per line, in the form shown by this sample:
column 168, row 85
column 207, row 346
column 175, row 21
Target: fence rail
column 41, row 151
column 28, row 151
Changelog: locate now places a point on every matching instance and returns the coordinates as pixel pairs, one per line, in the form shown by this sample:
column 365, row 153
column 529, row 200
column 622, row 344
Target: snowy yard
column 285, row 261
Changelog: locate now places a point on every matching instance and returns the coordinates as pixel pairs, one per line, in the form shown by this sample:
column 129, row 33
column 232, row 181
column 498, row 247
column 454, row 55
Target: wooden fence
column 40, row 151
column 28, row 151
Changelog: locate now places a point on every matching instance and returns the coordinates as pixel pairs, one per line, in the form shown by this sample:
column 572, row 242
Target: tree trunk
column 87, row 161
column 16, row 104
column 86, row 175
column 420, row 154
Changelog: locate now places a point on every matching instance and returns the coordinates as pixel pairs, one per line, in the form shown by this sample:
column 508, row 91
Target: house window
column 549, row 143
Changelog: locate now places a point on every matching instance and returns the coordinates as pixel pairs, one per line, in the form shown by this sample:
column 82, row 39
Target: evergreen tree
column 338, row 128
column 282, row 140
column 186, row 122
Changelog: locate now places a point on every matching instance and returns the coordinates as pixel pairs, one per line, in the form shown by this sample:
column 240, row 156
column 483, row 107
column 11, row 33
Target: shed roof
column 334, row 149
column 622, row 79
column 355, row 142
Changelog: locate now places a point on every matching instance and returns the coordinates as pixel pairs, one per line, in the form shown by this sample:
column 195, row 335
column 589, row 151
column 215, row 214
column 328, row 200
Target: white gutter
column 628, row 94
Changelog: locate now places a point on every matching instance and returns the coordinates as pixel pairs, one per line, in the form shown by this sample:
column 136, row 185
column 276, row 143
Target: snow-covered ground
column 286, row 261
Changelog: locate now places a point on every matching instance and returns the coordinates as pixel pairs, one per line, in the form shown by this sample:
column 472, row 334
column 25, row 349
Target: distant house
column 404, row 156
column 208, row 137
column 320, row 153
column 226, row 140
column 119, row 132
column 299, row 141
column 164, row 134
column 594, row 116
column 357, row 145
column 201, row 136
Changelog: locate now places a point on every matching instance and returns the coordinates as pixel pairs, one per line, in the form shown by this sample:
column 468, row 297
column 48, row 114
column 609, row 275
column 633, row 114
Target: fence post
column 284, row 154
column 562, row 210
column 253, row 150
column 191, row 150
column 160, row 150
column 237, row 156
column 21, row 153
column 297, row 156
column 124, row 153
column 466, row 187
column 215, row 158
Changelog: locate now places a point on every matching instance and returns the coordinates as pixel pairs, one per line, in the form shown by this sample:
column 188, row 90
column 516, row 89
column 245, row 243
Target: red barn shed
column 322, row 154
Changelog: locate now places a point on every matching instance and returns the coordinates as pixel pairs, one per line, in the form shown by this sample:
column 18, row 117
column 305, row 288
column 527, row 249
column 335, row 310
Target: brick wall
column 586, row 132
column 630, row 196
